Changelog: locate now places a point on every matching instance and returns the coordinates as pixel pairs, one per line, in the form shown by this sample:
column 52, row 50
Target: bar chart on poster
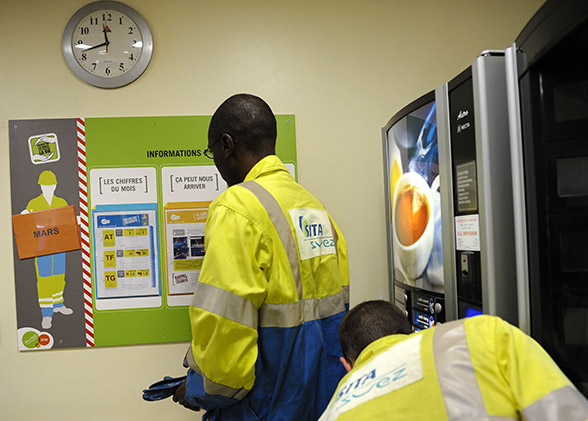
column 140, row 188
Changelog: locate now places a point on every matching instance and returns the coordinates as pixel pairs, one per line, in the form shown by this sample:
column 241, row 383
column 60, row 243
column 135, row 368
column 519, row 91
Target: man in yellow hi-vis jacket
column 273, row 287
column 480, row 368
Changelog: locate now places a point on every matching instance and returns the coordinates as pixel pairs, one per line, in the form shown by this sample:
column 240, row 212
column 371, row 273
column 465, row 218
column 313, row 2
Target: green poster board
column 144, row 190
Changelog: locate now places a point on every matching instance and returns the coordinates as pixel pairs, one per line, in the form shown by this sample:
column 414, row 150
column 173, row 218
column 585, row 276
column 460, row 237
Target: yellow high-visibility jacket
column 480, row 368
column 271, row 293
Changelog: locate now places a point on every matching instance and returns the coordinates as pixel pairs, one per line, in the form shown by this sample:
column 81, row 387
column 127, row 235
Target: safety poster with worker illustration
column 108, row 216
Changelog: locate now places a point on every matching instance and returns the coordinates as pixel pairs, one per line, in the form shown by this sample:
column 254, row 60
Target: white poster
column 467, row 232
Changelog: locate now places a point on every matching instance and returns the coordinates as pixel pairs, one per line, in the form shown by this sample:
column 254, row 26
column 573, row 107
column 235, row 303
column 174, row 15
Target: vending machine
column 474, row 146
column 413, row 209
column 548, row 120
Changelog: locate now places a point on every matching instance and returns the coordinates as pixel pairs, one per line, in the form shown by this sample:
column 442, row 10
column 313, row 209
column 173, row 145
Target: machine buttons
column 431, row 305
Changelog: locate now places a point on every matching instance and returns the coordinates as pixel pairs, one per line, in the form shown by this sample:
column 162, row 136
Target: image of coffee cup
column 413, row 224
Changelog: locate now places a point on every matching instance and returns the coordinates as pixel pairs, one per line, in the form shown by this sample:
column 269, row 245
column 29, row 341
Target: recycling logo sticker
column 44, row 148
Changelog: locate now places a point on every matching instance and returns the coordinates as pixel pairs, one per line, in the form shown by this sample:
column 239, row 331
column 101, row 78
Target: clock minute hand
column 97, row 46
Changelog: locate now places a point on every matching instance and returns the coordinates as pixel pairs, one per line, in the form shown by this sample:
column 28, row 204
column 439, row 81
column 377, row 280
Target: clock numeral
column 94, row 65
column 93, row 21
column 120, row 20
column 121, row 67
column 84, row 30
column 131, row 30
column 107, row 71
column 80, row 42
column 131, row 57
column 84, row 57
column 107, row 17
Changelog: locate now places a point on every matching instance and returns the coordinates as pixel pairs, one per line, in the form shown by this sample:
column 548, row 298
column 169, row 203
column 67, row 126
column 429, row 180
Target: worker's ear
column 347, row 364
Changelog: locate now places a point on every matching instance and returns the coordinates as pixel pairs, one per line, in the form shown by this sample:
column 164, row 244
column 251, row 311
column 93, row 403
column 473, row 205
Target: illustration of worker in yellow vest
column 50, row 269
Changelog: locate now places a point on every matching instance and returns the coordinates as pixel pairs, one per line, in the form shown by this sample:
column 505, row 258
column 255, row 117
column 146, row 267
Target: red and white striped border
column 86, row 271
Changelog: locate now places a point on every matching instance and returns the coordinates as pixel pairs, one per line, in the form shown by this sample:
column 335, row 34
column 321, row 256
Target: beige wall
column 342, row 67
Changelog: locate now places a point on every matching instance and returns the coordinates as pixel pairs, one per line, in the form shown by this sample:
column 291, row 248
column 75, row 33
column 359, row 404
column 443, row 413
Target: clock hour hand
column 106, row 29
column 98, row 46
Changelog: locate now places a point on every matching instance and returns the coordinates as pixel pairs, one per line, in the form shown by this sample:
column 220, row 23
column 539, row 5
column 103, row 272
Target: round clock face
column 107, row 44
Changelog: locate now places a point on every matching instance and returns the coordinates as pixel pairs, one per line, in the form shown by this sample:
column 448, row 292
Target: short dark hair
column 247, row 118
column 367, row 322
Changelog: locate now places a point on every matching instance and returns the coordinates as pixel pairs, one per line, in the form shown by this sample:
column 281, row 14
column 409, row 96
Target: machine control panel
column 428, row 309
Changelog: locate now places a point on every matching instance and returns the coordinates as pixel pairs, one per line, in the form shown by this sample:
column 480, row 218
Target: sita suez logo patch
column 393, row 369
column 44, row 148
column 313, row 232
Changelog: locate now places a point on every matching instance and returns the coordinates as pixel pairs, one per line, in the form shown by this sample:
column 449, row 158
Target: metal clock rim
column 116, row 81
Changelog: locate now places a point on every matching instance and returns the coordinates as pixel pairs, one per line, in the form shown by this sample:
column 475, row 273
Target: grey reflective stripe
column 212, row 388
column 282, row 227
column 455, row 371
column 346, row 294
column 240, row 310
column 565, row 403
column 226, row 304
column 295, row 314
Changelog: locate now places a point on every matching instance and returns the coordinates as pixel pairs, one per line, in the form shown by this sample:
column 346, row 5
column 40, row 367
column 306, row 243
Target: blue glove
column 163, row 388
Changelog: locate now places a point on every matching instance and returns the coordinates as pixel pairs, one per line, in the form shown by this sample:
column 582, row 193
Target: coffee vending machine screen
column 415, row 200
column 415, row 213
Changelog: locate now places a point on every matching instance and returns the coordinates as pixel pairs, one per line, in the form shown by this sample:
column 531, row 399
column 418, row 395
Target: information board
column 141, row 187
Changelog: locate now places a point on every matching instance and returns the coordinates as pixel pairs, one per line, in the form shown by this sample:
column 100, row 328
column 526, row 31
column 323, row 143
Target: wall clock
column 107, row 44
